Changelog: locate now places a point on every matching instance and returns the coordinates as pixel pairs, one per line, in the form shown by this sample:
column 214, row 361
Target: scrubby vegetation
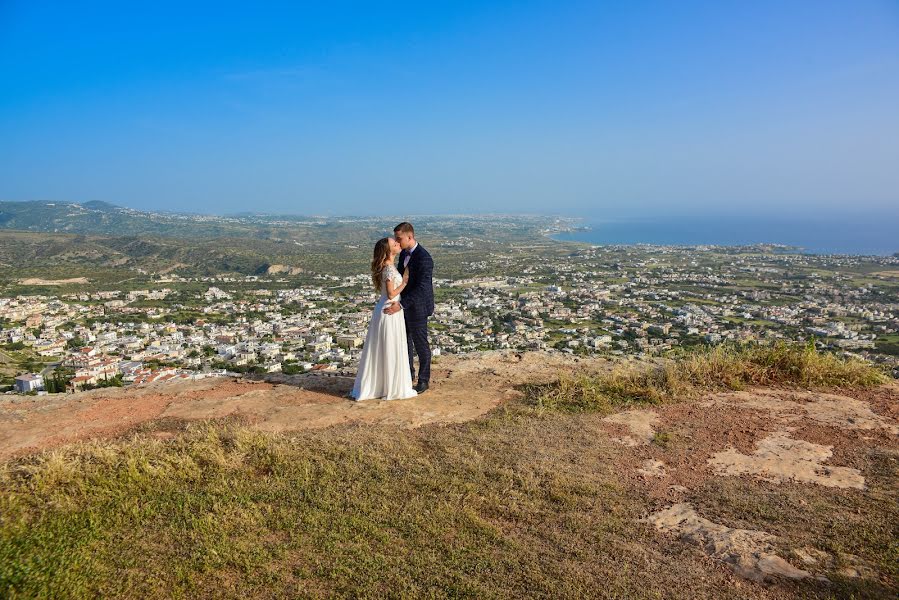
column 223, row 511
column 522, row 503
column 720, row 368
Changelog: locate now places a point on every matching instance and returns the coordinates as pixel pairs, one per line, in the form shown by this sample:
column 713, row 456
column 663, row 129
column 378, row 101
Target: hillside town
column 641, row 301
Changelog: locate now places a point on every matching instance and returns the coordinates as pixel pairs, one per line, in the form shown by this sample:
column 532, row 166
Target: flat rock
column 652, row 468
column 779, row 458
column 749, row 553
column 640, row 424
column 463, row 387
column 829, row 409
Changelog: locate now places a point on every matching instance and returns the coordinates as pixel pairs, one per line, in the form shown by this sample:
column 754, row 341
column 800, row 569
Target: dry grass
column 503, row 507
column 522, row 503
column 858, row 530
column 696, row 372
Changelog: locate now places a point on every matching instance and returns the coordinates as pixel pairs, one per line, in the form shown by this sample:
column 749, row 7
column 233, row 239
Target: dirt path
column 39, row 281
column 462, row 388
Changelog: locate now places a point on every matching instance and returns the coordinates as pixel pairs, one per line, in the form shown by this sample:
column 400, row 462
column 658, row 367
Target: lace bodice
column 392, row 272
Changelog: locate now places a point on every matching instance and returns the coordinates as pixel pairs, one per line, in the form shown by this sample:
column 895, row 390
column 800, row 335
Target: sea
column 878, row 237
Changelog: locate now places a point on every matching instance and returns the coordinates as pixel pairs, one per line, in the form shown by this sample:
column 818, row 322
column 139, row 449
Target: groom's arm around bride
column 418, row 297
column 416, row 301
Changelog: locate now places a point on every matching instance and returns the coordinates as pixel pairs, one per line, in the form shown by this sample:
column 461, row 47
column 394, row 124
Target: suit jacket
column 417, row 299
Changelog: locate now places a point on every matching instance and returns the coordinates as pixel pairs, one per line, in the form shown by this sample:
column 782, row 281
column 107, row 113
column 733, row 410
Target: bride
column 384, row 364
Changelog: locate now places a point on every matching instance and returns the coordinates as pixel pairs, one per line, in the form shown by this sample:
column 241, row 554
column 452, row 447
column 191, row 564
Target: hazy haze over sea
column 869, row 236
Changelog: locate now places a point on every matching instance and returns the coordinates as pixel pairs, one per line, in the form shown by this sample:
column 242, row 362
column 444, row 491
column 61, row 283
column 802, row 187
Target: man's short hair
column 404, row 227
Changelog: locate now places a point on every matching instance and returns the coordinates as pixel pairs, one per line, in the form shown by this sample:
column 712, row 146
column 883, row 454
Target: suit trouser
column 417, row 339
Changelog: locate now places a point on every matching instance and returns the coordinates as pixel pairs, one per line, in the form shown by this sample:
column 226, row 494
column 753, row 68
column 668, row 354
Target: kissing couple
column 399, row 321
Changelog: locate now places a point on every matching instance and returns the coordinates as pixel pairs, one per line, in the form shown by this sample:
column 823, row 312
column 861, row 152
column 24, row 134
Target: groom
column 417, row 301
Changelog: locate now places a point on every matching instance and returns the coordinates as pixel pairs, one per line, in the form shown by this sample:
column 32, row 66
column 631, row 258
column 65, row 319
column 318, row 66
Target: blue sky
column 599, row 109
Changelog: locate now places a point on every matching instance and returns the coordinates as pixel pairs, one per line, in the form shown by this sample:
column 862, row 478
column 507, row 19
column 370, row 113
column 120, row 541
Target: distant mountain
column 94, row 237
column 100, row 205
column 58, row 254
column 103, row 218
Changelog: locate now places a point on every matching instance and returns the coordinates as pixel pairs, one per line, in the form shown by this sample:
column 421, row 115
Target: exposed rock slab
column 652, row 468
column 39, row 281
column 780, row 458
column 640, row 423
column 749, row 553
column 829, row 409
column 462, row 388
column 852, row 566
column 286, row 269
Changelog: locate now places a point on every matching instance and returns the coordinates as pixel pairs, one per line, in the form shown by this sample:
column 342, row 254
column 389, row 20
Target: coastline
column 655, row 234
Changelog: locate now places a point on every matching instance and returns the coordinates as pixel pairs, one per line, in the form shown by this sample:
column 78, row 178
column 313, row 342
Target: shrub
column 729, row 367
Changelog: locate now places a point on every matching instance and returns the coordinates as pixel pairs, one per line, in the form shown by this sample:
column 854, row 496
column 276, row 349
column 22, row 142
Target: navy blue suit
column 417, row 301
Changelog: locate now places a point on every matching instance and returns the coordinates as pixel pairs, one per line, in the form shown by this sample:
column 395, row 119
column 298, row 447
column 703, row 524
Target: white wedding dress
column 384, row 364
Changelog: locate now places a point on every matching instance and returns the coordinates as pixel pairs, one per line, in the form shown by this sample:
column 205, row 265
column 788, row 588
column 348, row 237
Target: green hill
column 98, row 217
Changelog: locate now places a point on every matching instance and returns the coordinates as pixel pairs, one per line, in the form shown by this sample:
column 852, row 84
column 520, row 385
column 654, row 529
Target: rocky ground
column 462, row 389
column 764, row 482
column 820, row 447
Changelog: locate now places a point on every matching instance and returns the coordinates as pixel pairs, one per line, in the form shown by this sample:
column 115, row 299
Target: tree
column 58, row 381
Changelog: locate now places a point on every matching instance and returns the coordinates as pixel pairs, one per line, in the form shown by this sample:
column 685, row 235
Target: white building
column 29, row 382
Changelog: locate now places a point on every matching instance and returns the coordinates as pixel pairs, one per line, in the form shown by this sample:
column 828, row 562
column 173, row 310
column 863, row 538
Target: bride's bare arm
column 393, row 291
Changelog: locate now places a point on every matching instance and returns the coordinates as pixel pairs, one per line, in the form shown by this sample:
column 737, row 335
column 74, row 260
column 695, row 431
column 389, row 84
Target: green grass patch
column 661, row 439
column 888, row 344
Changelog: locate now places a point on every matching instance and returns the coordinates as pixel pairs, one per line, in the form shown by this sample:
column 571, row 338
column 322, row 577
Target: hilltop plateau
column 762, row 474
